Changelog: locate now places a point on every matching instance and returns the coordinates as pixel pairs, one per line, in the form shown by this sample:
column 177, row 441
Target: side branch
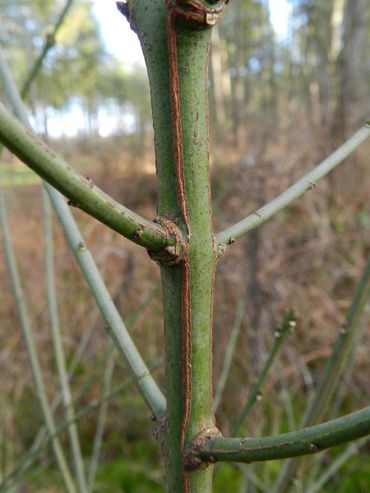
column 303, row 442
column 80, row 191
column 308, row 182
column 48, row 44
column 281, row 334
column 333, row 371
column 115, row 326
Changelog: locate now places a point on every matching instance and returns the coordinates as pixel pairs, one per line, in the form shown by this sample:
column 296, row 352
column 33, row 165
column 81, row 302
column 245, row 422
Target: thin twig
column 344, row 457
column 93, row 406
column 281, row 334
column 31, row 348
column 308, row 182
column 107, row 384
column 115, row 326
column 48, row 44
column 303, row 442
column 229, row 353
column 333, row 371
column 80, row 190
column 58, row 345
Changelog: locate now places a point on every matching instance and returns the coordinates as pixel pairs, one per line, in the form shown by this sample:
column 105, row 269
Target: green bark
column 80, row 190
column 304, row 184
column 303, row 442
column 175, row 36
column 188, row 347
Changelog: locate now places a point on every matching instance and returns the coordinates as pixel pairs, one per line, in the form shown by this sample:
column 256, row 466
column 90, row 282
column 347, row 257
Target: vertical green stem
column 192, row 52
column 4, row 446
column 333, row 371
column 115, row 326
column 281, row 334
column 230, row 350
column 31, row 348
column 333, row 468
column 181, row 140
column 28, row 458
column 58, row 345
column 49, row 43
column 107, row 384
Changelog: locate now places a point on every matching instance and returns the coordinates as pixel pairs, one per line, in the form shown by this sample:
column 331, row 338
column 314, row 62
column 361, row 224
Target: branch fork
column 192, row 459
column 172, row 254
column 196, row 11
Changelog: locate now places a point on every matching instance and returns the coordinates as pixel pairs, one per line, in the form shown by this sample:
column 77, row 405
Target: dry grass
column 308, row 258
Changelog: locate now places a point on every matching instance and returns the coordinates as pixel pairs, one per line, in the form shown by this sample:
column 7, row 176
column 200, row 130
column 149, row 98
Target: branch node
column 138, row 233
column 192, row 461
column 221, row 250
column 81, row 247
column 170, row 255
column 160, row 430
column 73, row 204
column 314, row 448
column 90, row 181
column 196, row 11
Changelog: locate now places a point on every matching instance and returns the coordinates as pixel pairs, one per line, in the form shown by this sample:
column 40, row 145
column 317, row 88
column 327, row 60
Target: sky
column 123, row 43
column 280, row 11
column 119, row 39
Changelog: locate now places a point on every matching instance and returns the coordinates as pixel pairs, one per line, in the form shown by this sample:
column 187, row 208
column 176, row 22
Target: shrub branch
column 80, row 191
column 115, row 325
column 307, row 441
column 306, row 183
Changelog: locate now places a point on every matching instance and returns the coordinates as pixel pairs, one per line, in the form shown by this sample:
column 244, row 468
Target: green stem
column 41, row 437
column 107, row 383
column 115, row 326
column 176, row 54
column 330, row 471
column 43, row 440
column 31, row 348
column 250, row 476
column 229, row 353
column 281, row 335
column 48, row 44
column 307, row 441
column 329, row 381
column 306, row 183
column 58, row 345
column 334, row 368
column 80, row 191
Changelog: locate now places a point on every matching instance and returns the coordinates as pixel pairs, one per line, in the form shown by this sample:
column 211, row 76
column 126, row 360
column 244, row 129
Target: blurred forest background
column 278, row 105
